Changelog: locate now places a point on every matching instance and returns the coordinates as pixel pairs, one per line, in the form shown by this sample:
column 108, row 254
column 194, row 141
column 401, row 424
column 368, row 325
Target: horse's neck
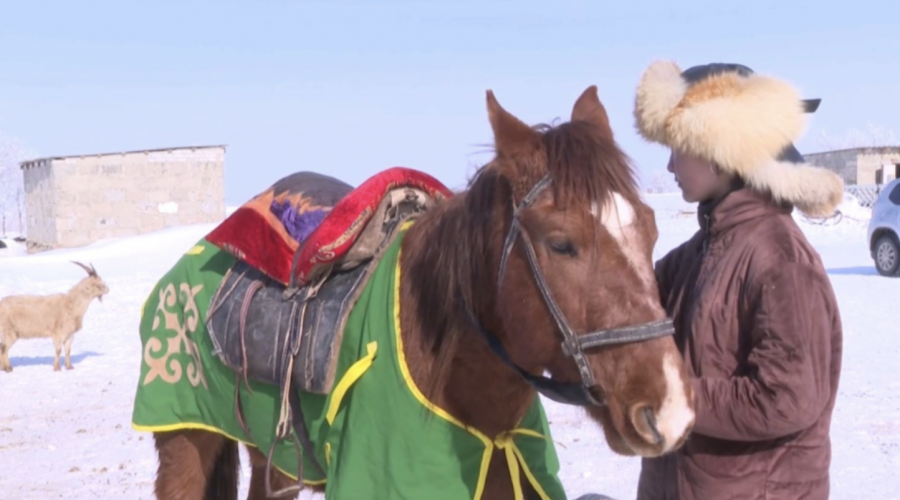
column 477, row 388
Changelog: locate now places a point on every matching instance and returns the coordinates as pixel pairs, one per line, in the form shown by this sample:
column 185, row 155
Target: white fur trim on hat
column 741, row 123
column 815, row 191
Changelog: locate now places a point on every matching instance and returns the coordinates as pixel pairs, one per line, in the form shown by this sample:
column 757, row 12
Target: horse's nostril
column 649, row 417
column 651, row 423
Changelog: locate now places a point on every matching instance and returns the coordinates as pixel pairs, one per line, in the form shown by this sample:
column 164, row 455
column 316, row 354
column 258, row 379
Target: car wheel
column 887, row 255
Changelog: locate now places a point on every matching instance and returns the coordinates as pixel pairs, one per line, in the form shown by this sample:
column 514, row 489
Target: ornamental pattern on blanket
column 183, row 384
column 375, row 431
column 182, row 327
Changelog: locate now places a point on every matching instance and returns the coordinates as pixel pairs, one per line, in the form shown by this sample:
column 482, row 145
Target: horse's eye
column 564, row 247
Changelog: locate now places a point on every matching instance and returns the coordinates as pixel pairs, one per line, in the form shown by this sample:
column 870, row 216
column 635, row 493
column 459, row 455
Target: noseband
column 573, row 345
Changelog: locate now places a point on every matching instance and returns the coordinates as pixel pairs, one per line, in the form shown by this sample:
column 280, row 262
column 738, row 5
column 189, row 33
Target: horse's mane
column 585, row 166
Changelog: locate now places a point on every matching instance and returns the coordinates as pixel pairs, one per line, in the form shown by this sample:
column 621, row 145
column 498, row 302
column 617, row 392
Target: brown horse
column 543, row 265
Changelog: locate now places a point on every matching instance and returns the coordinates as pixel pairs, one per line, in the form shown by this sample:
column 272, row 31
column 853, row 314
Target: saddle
column 257, row 324
column 285, row 329
column 259, row 319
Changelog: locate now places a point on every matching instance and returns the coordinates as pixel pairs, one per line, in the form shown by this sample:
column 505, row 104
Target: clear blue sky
column 351, row 88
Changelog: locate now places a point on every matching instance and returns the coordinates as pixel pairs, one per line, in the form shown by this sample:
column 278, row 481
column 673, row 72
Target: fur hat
column 744, row 122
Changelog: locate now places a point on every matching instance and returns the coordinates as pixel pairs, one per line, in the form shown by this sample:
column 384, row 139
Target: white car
column 884, row 230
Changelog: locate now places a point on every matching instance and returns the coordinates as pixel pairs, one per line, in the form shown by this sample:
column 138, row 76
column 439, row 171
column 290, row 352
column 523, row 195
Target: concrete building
column 75, row 200
column 861, row 166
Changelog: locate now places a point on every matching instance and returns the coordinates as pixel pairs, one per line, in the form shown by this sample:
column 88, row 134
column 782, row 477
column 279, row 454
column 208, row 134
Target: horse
column 536, row 280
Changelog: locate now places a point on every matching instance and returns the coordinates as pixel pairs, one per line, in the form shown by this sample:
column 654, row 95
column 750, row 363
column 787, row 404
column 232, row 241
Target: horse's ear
column 588, row 108
column 511, row 135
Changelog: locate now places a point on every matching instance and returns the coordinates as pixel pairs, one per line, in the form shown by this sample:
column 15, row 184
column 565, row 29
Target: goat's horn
column 86, row 268
column 93, row 271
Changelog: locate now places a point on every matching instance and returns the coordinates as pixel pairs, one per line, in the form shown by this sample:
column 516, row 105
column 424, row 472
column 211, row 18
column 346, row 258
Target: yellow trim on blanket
column 195, row 250
column 144, row 305
column 198, row 426
column 350, row 378
column 504, row 441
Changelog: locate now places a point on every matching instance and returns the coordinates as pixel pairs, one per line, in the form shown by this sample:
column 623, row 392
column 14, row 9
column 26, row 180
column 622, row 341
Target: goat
column 56, row 316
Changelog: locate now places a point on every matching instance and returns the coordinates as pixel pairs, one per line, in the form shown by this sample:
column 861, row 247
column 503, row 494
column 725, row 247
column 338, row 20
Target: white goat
column 56, row 316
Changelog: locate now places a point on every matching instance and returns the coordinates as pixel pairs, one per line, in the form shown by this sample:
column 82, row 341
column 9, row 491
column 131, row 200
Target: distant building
column 861, row 166
column 76, row 200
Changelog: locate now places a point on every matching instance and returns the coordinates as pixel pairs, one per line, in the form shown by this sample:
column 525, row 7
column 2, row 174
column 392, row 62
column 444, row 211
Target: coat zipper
column 695, row 290
column 706, row 235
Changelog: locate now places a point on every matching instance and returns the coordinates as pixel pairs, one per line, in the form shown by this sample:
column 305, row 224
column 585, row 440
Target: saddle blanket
column 312, row 221
column 375, row 430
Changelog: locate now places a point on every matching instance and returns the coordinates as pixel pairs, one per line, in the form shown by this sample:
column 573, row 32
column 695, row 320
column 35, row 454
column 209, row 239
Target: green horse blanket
column 375, row 433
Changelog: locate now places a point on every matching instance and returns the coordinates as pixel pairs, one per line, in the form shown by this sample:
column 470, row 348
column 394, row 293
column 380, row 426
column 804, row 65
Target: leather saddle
column 258, row 325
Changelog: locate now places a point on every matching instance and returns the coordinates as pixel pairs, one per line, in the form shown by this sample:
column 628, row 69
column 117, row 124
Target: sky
column 352, row 88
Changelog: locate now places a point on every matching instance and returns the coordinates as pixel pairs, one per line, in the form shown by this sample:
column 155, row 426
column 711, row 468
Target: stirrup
column 290, row 490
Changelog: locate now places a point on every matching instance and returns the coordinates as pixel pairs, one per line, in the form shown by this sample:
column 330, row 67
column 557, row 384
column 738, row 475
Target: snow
column 13, row 248
column 68, row 434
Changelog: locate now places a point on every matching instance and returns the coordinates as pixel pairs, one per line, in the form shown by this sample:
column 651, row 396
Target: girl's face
column 698, row 179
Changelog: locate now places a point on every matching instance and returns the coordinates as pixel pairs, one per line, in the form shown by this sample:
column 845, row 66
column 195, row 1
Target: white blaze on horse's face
column 675, row 414
column 618, row 217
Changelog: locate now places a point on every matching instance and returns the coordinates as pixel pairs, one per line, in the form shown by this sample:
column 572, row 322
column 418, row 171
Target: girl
column 755, row 315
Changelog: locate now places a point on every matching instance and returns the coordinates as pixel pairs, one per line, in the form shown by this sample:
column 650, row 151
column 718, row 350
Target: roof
column 861, row 149
column 25, row 163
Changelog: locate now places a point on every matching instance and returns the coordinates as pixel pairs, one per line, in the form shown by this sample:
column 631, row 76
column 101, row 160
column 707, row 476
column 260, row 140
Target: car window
column 895, row 195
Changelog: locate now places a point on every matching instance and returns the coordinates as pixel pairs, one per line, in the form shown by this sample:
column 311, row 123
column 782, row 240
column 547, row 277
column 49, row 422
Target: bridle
column 573, row 345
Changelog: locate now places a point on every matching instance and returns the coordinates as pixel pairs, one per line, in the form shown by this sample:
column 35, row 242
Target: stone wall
column 858, row 166
column 871, row 163
column 120, row 195
column 843, row 163
column 40, row 205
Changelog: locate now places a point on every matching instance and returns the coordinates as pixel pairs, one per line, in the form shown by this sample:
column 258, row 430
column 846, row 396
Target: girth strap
column 291, row 415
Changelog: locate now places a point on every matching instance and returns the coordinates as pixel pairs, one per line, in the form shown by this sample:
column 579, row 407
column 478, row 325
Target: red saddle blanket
column 317, row 214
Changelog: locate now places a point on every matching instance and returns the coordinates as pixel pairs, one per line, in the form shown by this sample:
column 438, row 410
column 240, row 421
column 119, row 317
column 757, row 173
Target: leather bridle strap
column 571, row 393
column 516, row 224
column 624, row 335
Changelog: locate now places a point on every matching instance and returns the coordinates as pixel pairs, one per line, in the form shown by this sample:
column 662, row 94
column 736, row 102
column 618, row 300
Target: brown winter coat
column 758, row 324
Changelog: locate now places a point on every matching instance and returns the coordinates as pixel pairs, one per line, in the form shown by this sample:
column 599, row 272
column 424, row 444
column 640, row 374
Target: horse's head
column 576, row 294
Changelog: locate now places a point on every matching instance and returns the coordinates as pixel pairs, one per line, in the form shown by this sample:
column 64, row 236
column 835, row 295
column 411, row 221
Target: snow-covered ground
column 68, row 434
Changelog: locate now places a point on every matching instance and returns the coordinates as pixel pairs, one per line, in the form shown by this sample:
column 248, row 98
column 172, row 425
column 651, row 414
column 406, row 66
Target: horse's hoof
column 594, row 496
